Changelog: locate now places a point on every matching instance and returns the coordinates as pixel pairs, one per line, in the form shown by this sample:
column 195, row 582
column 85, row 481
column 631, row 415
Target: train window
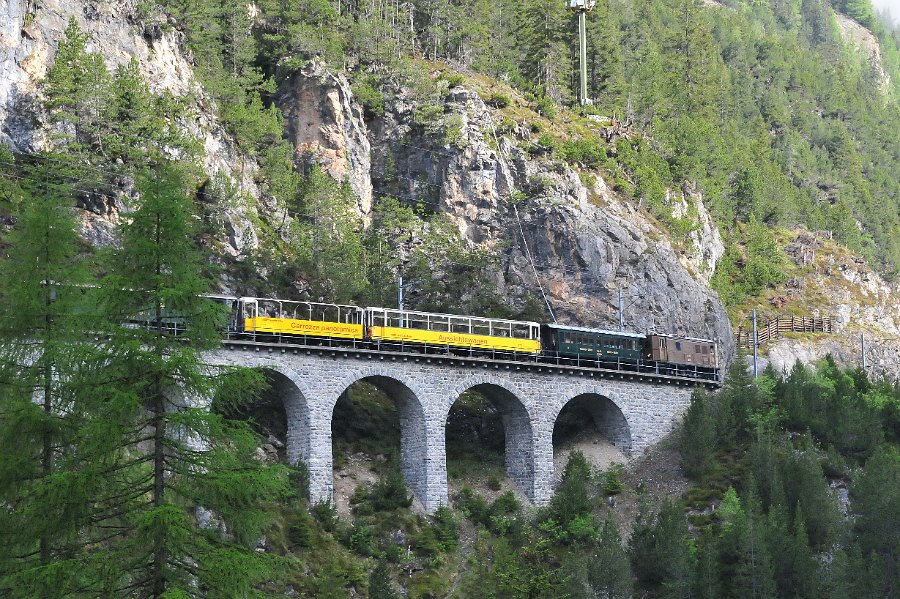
column 696, row 349
column 705, row 349
column 678, row 345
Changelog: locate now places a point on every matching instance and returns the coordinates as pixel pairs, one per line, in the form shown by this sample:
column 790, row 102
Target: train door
column 663, row 347
column 248, row 311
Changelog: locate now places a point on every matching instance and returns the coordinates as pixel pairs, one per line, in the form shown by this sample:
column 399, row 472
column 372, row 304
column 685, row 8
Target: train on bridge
column 285, row 321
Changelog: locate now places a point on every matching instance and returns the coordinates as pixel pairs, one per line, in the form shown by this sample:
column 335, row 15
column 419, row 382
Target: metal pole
column 621, row 312
column 755, row 347
column 582, row 54
column 862, row 342
column 400, row 292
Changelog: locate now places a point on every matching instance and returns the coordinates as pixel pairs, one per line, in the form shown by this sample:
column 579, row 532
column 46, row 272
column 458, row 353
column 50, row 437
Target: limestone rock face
column 867, row 300
column 28, row 42
column 576, row 242
column 585, row 243
column 882, row 354
column 707, row 246
column 867, row 44
column 325, row 124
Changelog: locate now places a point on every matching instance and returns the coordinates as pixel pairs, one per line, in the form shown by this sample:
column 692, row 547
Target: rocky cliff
column 829, row 281
column 584, row 243
column 29, row 35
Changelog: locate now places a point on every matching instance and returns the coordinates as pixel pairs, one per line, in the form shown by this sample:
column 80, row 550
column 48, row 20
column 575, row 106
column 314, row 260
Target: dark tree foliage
column 572, row 500
column 47, row 470
column 698, row 437
column 876, row 504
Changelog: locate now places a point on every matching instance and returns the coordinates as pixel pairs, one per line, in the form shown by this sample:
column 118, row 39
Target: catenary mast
column 582, row 7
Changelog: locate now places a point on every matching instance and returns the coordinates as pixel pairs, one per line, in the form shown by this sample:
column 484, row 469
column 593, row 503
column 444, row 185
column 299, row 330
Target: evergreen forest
column 113, row 483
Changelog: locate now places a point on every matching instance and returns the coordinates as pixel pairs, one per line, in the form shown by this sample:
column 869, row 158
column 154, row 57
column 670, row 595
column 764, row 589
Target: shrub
column 389, row 493
column 445, row 528
column 326, row 514
column 587, row 151
column 361, row 540
column 452, row 79
column 612, row 484
column 506, row 504
column 371, row 98
column 300, row 530
column 545, row 106
column 498, row 100
column 473, row 506
column 493, row 482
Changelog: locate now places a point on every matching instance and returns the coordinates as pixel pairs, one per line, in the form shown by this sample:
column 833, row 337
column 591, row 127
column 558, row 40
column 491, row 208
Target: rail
column 775, row 327
column 640, row 367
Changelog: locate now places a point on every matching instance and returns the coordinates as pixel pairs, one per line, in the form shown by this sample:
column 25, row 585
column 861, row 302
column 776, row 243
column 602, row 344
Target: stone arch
column 606, row 412
column 517, row 426
column 416, row 461
column 294, row 394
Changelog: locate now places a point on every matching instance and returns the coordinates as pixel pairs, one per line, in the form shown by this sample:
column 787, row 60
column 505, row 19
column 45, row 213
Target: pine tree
column 547, row 59
column 139, row 125
column 659, row 552
column 706, row 573
column 606, row 76
column 876, row 504
column 746, row 566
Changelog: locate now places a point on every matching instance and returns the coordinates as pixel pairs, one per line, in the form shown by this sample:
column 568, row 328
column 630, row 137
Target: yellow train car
column 468, row 332
column 310, row 319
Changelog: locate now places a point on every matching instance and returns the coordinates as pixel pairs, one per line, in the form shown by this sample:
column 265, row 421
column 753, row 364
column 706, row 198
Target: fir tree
column 189, row 456
column 380, row 583
column 698, row 437
column 44, row 480
column 609, row 569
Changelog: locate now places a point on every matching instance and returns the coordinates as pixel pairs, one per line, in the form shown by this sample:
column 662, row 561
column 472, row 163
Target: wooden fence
column 774, row 328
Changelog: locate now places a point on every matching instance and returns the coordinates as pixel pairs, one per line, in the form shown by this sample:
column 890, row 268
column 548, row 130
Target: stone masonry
column 634, row 412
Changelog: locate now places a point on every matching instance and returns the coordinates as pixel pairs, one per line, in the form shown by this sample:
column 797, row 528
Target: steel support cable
column 505, row 166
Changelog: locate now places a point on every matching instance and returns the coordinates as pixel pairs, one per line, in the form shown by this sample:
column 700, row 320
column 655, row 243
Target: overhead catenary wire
column 537, row 278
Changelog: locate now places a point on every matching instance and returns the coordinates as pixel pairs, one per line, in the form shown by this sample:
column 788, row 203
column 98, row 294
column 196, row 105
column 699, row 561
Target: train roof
column 684, row 337
column 601, row 331
column 304, row 302
column 463, row 316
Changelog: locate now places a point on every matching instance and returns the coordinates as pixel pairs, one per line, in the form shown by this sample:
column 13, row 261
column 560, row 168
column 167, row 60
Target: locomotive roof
column 682, row 337
column 600, row 331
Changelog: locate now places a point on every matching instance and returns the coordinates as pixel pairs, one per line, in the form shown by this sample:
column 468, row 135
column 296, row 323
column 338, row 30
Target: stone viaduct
column 632, row 411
